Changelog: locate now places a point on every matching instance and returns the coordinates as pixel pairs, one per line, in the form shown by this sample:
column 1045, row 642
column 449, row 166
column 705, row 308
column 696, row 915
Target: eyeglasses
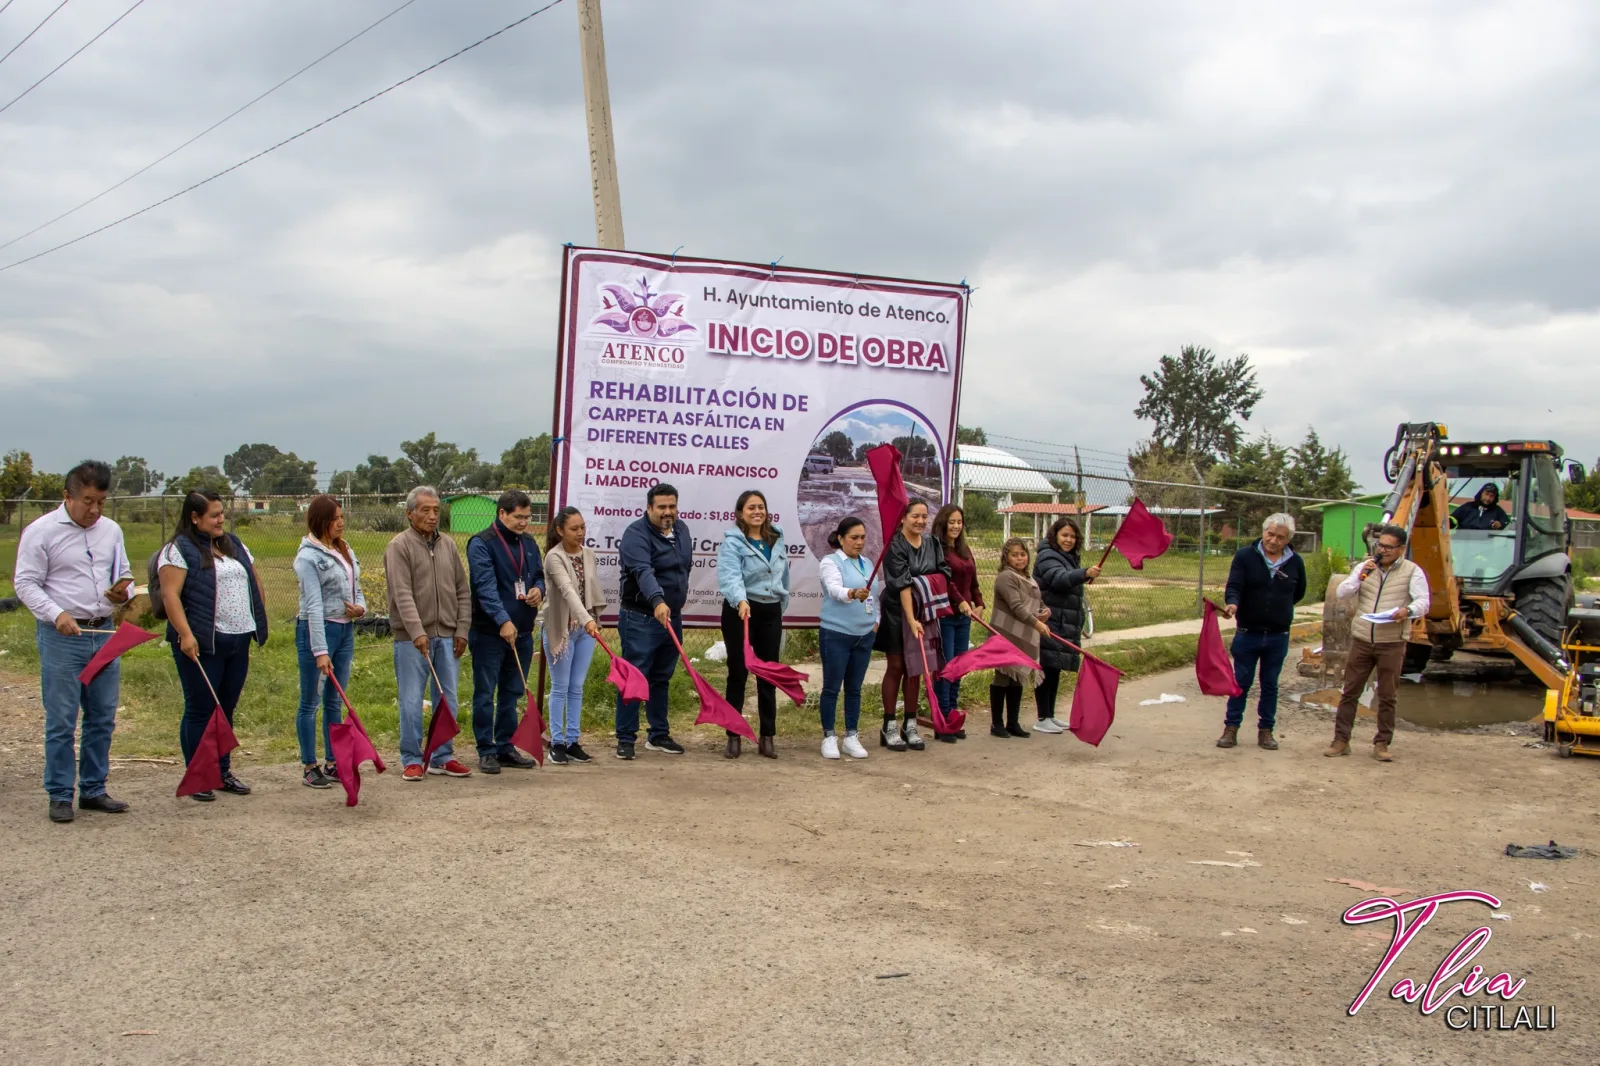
column 1388, row 547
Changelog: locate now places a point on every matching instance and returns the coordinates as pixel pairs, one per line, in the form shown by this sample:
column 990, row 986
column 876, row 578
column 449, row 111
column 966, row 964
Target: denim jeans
column 844, row 664
column 646, row 644
column 955, row 633
column 226, row 666
column 567, row 675
column 60, row 660
column 496, row 687
column 1250, row 649
column 412, row 676
column 314, row 687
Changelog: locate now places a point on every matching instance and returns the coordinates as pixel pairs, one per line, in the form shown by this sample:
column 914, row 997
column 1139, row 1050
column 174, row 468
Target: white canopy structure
column 998, row 473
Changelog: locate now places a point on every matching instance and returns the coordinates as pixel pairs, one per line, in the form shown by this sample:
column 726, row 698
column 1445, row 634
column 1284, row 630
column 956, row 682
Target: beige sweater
column 1017, row 605
column 428, row 587
column 567, row 609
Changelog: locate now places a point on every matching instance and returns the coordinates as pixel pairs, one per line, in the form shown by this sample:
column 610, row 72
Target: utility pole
column 597, row 106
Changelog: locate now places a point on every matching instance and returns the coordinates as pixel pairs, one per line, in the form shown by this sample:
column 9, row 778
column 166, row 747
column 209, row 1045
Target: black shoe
column 313, row 777
column 999, row 731
column 488, row 764
column 516, row 760
column 61, row 811
column 331, row 772
column 102, row 803
column 575, row 753
column 945, row 738
column 666, row 745
column 205, row 797
column 625, row 750
column 558, row 754
column 234, row 785
column 961, row 734
column 1016, row 730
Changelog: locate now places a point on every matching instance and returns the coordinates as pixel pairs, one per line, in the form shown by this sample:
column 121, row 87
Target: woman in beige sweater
column 1019, row 616
column 570, row 629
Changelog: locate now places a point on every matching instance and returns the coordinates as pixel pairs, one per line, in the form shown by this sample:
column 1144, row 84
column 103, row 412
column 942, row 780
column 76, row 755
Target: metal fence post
column 163, row 518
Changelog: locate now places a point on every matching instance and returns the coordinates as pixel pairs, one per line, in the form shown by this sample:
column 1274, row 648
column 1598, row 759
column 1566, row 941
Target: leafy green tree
column 246, row 464
column 1316, row 471
column 379, row 475
column 526, row 464
column 199, row 479
column 839, row 445
column 132, row 476
column 1585, row 495
column 1158, row 477
column 286, row 474
column 16, row 478
column 1193, row 399
column 51, row 487
column 440, row 463
column 971, row 435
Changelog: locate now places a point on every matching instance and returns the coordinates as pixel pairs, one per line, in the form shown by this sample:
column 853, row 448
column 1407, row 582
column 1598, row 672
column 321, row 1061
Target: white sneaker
column 853, row 747
column 830, row 747
column 1048, row 725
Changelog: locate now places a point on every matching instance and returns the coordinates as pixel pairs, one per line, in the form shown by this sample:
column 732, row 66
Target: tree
column 440, row 463
column 132, row 476
column 246, row 464
column 285, row 474
column 839, row 445
column 377, row 475
column 16, row 478
column 526, row 464
column 1585, row 495
column 51, row 487
column 1316, row 471
column 199, row 479
column 1193, row 400
column 971, row 435
column 1157, row 475
column 914, row 447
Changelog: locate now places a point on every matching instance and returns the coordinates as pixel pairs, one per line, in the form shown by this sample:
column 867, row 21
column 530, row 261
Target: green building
column 471, row 513
column 1342, row 522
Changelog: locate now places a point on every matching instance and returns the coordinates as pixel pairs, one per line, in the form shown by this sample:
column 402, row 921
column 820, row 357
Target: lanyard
column 522, row 553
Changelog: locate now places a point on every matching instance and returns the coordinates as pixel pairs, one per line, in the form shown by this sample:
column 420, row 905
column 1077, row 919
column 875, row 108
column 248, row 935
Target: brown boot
column 1340, row 746
column 1264, row 740
column 1381, row 753
column 767, row 747
column 1229, row 737
column 734, row 748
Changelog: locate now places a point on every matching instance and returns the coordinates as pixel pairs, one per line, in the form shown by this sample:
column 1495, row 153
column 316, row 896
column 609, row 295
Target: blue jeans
column 567, row 675
column 955, row 633
column 60, row 660
column 646, row 644
column 314, row 688
column 844, row 664
column 1249, row 649
column 413, row 678
column 496, row 687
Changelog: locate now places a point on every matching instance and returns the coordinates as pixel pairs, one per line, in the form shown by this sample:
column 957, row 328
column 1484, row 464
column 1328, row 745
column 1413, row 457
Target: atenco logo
column 1435, row 994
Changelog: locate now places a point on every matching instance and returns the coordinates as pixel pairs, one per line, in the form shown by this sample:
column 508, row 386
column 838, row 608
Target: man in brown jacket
column 1389, row 590
column 430, row 611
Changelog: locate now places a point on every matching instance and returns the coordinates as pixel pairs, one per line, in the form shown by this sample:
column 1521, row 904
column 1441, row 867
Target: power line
column 33, row 31
column 70, row 58
column 5, row 5
column 231, row 115
column 286, row 140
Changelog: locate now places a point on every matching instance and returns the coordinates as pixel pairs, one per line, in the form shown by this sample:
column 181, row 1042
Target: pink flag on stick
column 1141, row 536
column 884, row 462
column 441, row 729
column 1094, row 700
column 351, row 748
column 127, row 636
column 1213, row 668
column 990, row 655
column 629, row 679
column 714, row 710
column 530, row 732
column 204, row 772
column 789, row 680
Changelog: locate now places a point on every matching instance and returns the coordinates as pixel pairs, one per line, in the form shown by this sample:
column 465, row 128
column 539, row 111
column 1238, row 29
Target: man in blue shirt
column 1265, row 581
column 507, row 588
column 655, row 557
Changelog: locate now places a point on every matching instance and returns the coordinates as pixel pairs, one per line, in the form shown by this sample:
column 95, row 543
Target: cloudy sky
column 1387, row 205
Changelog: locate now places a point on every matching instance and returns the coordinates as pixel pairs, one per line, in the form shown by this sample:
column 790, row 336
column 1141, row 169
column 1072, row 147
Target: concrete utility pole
column 602, row 149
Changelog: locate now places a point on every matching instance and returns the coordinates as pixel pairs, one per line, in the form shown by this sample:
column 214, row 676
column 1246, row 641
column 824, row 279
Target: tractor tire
column 1545, row 603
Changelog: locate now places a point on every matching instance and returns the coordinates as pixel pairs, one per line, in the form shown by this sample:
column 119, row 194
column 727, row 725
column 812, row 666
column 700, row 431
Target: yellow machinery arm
column 1423, row 510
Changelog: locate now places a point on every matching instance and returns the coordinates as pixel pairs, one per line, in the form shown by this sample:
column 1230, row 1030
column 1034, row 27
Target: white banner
column 719, row 377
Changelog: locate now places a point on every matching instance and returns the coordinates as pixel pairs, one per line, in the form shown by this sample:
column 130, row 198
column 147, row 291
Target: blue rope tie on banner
column 673, row 265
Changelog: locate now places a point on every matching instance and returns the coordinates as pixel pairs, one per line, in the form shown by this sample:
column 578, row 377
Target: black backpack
column 152, row 569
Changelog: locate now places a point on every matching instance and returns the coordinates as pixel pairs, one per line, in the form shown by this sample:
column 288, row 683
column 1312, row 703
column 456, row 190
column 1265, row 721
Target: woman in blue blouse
column 753, row 576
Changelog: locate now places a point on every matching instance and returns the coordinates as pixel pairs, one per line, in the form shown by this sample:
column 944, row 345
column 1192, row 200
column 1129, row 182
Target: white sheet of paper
column 1378, row 618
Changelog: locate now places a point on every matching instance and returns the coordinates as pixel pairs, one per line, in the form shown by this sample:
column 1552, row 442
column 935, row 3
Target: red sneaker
column 453, row 768
column 412, row 773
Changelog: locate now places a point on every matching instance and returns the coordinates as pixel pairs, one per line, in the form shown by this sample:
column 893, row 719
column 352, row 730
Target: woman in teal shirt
column 753, row 576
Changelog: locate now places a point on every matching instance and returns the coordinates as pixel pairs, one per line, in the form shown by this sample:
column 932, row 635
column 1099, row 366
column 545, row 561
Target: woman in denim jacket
column 324, row 639
column 753, row 577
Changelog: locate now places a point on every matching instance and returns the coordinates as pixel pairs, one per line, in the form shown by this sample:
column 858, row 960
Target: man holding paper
column 72, row 569
column 1389, row 590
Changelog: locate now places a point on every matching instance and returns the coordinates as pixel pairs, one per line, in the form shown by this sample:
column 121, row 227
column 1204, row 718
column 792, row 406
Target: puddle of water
column 1452, row 704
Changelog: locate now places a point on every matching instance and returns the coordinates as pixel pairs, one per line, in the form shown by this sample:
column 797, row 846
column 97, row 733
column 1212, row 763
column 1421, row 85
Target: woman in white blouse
column 215, row 607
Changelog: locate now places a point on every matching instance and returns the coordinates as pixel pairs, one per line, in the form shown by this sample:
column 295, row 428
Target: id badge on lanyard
column 520, row 587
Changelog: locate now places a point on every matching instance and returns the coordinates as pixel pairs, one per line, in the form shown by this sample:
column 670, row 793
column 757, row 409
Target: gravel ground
column 691, row 910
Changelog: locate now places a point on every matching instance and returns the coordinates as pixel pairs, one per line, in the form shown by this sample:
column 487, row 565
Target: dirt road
column 692, row 910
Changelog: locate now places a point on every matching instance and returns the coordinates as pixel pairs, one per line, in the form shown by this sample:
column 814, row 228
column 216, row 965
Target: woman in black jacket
column 1061, row 579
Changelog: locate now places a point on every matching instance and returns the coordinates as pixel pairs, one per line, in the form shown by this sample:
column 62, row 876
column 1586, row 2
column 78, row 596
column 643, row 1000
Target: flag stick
column 340, row 689
column 111, row 632
column 207, row 680
column 1052, row 636
column 438, row 688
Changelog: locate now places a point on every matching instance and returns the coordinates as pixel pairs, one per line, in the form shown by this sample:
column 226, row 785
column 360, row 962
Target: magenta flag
column 441, row 728
column 1213, row 667
column 714, row 709
column 1141, row 536
column 351, row 748
column 1094, row 700
column 204, row 772
column 884, row 462
column 788, row 680
column 629, row 679
column 990, row 655
column 530, row 732
column 127, row 636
